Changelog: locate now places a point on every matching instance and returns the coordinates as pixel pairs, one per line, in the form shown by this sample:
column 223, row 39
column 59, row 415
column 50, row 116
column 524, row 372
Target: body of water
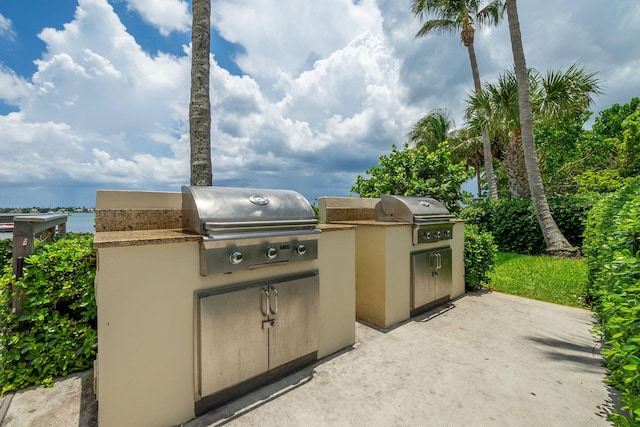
column 79, row 222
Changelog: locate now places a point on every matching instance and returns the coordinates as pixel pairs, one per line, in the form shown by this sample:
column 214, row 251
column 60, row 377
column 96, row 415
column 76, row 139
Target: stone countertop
column 108, row 239
column 336, row 227
column 371, row 222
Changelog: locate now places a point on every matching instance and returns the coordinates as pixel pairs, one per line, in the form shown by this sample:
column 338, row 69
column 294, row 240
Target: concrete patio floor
column 485, row 359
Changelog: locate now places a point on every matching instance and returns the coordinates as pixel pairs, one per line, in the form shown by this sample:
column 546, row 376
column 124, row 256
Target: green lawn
column 561, row 281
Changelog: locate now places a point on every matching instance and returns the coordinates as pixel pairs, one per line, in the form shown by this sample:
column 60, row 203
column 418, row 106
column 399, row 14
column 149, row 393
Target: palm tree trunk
column 199, row 105
column 556, row 243
column 514, row 163
column 486, row 142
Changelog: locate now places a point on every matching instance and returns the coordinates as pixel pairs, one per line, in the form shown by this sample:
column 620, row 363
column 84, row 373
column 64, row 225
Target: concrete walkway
column 486, row 359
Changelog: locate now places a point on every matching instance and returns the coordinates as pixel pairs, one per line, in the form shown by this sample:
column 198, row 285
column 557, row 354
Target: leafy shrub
column 416, row 172
column 570, row 213
column 6, row 251
column 604, row 181
column 55, row 333
column 631, row 140
column 514, row 225
column 612, row 248
column 479, row 257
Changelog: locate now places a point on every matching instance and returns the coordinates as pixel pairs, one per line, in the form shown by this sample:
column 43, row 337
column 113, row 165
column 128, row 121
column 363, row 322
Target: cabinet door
column 296, row 328
column 423, row 278
column 444, row 274
column 233, row 345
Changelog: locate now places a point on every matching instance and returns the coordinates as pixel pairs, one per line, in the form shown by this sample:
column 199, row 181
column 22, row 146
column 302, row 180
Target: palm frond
column 438, row 26
column 491, row 14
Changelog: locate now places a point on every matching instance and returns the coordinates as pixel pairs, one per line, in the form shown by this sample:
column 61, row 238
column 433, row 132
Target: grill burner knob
column 235, row 257
column 426, row 235
column 271, row 252
column 437, row 233
column 301, row 249
column 447, row 233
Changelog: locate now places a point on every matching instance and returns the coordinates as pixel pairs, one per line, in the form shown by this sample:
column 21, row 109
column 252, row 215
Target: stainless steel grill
column 252, row 332
column 431, row 219
column 431, row 268
column 244, row 228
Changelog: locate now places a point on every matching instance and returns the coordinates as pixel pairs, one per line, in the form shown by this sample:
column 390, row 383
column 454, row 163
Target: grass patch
column 541, row 277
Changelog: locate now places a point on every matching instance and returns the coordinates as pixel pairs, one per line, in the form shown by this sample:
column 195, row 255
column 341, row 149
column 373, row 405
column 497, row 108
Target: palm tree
column 466, row 146
column 556, row 243
column 437, row 127
column 460, row 15
column 199, row 105
column 555, row 97
column 432, row 129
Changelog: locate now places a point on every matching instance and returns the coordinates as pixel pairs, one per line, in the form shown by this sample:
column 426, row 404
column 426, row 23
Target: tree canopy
column 416, row 172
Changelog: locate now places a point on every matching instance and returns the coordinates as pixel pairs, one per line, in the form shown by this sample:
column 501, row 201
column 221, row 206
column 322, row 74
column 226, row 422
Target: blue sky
column 305, row 95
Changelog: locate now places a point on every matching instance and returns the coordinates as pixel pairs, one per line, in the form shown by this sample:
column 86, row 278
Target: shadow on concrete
column 422, row 317
column 88, row 403
column 252, row 401
column 588, row 358
column 560, row 350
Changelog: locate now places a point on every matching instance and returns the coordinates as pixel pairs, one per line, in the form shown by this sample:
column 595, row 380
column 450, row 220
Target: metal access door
column 431, row 278
column 245, row 331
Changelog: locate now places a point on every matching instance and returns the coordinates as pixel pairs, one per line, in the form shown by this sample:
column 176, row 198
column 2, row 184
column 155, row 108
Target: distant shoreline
column 77, row 222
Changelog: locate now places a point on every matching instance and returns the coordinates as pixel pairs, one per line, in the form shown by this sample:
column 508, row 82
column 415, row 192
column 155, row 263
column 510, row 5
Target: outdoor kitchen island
column 151, row 296
column 402, row 268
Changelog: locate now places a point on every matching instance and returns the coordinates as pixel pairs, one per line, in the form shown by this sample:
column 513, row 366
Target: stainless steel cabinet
column 248, row 330
column 431, row 278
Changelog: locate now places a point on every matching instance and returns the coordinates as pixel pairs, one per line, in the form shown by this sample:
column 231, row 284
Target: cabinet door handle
column 264, row 302
column 435, row 261
column 273, row 309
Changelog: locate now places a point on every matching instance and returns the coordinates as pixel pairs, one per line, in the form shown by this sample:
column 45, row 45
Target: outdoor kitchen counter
column 110, row 239
column 383, row 273
column 146, row 284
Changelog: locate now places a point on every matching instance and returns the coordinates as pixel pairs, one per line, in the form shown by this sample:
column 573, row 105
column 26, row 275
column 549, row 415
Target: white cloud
column 328, row 87
column 6, row 28
column 102, row 81
column 166, row 15
column 288, row 36
column 13, row 88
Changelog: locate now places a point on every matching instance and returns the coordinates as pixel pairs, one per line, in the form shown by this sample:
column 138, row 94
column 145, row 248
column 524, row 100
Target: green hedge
column 612, row 250
column 515, row 227
column 479, row 257
column 55, row 335
column 6, row 250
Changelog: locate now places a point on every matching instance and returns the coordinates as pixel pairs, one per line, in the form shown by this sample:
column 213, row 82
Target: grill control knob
column 271, row 252
column 301, row 249
column 438, row 234
column 426, row 235
column 447, row 233
column 235, row 257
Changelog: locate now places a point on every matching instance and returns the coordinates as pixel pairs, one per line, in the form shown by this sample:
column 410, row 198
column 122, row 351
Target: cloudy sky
column 305, row 95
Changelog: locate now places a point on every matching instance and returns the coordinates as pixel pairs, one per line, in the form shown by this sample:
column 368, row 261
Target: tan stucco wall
column 383, row 273
column 117, row 199
column 398, row 277
column 370, row 274
column 145, row 334
column 457, row 249
column 333, row 209
column 336, row 257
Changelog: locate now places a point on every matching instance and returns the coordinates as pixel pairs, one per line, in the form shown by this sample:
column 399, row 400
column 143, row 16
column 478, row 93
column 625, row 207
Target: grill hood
column 410, row 209
column 212, row 210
